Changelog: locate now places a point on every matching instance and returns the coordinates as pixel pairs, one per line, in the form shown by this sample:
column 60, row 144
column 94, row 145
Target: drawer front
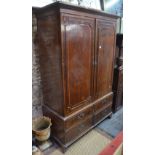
column 77, row 130
column 98, row 106
column 99, row 116
column 75, row 120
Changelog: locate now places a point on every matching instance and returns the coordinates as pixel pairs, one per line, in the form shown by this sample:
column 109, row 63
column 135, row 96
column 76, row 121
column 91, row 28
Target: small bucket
column 41, row 128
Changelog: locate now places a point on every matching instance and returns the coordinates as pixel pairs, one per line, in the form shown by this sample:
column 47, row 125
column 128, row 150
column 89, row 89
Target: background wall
column 37, row 98
column 114, row 7
column 87, row 3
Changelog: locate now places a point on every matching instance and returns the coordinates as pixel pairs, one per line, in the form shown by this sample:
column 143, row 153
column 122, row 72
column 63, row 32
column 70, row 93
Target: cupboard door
column 78, row 49
column 104, row 57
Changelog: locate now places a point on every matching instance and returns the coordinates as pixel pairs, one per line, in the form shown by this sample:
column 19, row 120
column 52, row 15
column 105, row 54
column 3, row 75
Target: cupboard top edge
column 62, row 5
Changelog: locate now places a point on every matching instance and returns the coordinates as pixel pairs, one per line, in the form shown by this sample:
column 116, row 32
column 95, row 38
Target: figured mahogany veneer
column 76, row 49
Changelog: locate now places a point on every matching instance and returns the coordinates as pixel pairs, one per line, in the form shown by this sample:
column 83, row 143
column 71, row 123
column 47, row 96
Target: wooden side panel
column 50, row 61
column 78, row 46
column 105, row 48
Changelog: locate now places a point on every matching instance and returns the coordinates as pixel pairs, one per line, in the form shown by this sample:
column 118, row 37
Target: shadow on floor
column 114, row 125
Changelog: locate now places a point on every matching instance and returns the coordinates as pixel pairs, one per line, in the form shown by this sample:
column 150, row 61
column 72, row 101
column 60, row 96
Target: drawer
column 77, row 130
column 75, row 120
column 103, row 103
column 102, row 113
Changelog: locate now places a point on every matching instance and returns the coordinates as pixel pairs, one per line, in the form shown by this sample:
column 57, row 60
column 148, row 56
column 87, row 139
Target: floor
column 114, row 125
column 91, row 144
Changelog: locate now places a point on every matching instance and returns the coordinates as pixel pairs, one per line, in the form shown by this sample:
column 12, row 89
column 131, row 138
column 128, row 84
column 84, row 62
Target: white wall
column 87, row 3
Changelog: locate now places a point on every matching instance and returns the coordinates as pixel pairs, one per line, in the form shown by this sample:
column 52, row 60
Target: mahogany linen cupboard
column 76, row 52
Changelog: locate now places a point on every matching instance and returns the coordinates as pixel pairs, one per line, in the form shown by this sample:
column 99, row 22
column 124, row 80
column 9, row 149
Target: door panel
column 104, row 57
column 78, row 48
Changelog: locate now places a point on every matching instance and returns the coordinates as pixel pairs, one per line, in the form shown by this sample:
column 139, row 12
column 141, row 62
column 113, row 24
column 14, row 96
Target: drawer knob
column 80, row 116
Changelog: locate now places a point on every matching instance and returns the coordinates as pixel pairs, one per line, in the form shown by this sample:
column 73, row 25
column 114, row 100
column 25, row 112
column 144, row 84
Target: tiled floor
column 114, row 125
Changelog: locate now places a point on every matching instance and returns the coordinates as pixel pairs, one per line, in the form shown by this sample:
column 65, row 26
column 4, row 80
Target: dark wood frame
column 118, row 75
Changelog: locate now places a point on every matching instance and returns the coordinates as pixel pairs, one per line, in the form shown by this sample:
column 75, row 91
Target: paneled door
column 78, row 55
column 105, row 43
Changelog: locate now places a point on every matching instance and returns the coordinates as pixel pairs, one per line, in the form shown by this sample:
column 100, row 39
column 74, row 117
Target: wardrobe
column 76, row 48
